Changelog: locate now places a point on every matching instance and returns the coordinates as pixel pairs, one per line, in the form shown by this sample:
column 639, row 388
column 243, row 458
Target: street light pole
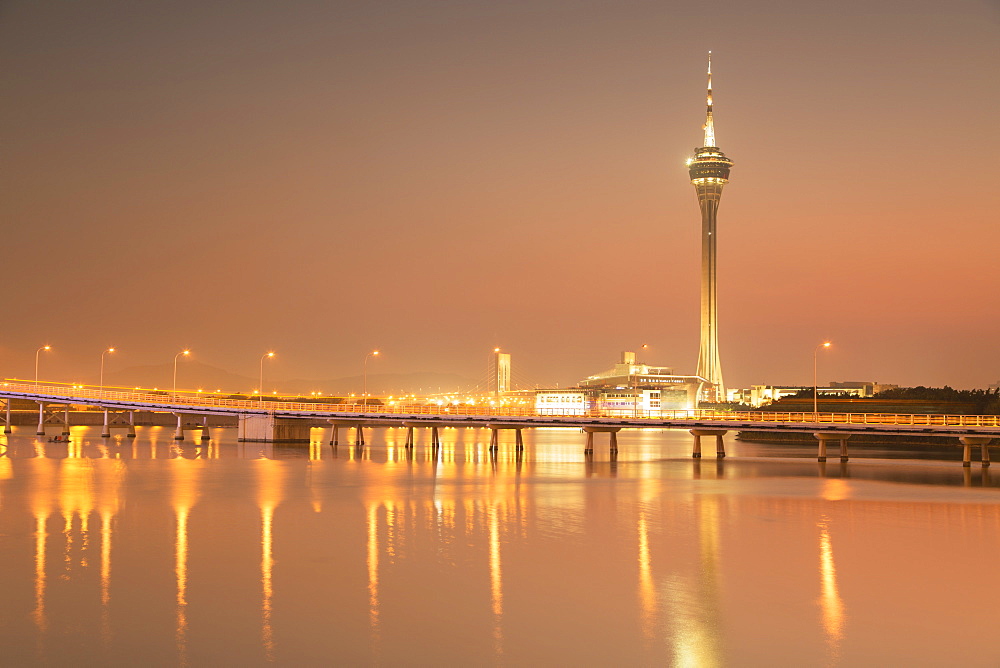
column 825, row 344
column 364, row 399
column 109, row 350
column 261, row 386
column 36, row 361
column 183, row 352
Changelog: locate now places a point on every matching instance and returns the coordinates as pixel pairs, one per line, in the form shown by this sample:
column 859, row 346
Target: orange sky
column 438, row 178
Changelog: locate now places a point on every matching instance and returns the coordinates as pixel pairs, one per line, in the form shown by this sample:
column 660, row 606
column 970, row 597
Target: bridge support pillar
column 335, row 426
column 106, row 431
column 359, row 434
column 411, row 427
column 179, row 432
column 131, row 424
column 720, row 445
column 41, row 419
column 823, row 437
column 982, row 441
column 65, row 431
column 6, row 428
column 612, row 438
column 266, row 428
column 495, row 436
column 205, row 435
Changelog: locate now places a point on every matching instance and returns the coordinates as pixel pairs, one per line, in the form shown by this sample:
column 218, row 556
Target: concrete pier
column 495, row 435
column 720, row 446
column 412, row 425
column 982, row 441
column 257, row 428
column 823, row 437
column 337, row 423
column 590, row 430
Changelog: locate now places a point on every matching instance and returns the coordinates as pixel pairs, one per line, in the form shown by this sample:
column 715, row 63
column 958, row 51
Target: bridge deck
column 204, row 404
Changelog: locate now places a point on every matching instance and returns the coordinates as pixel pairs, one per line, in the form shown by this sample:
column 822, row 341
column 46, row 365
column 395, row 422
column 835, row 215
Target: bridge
column 260, row 420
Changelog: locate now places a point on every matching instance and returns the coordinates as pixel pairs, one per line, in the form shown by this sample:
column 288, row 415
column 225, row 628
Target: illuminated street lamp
column 36, row 361
column 825, row 344
column 183, row 352
column 365, row 389
column 109, row 350
column 260, row 392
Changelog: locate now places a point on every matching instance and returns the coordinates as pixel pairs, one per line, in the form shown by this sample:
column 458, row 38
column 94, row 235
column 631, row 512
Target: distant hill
column 194, row 375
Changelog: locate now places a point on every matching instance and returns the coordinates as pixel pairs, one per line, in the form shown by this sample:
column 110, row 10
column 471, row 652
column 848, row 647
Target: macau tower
column 709, row 170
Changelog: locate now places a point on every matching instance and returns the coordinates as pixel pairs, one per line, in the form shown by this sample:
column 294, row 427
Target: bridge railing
column 62, row 394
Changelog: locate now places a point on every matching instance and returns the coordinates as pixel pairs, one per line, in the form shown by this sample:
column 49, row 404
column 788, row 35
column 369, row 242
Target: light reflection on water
column 125, row 550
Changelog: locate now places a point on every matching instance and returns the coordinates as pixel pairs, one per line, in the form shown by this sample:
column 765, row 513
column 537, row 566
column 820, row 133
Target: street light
column 109, row 350
column 36, row 361
column 183, row 352
column 825, row 344
column 365, row 392
column 260, row 392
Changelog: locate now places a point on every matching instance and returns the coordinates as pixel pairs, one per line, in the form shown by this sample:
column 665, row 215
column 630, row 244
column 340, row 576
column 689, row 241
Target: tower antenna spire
column 709, row 123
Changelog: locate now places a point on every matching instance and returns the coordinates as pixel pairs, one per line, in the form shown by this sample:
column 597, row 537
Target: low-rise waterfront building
column 759, row 395
column 628, row 388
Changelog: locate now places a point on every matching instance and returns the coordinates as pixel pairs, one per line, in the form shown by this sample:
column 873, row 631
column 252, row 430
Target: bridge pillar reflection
column 823, row 437
column 720, row 445
column 612, row 432
column 982, row 441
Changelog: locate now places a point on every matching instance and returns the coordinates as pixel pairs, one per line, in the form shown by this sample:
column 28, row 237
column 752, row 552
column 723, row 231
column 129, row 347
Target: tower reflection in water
column 408, row 547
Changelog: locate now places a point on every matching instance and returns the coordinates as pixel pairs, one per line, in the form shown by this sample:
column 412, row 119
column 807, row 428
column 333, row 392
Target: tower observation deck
column 709, row 171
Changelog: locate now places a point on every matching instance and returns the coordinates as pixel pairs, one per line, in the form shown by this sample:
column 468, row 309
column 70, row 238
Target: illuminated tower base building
column 709, row 170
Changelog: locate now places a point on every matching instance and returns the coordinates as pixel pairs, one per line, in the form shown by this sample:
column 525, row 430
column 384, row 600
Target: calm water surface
column 122, row 552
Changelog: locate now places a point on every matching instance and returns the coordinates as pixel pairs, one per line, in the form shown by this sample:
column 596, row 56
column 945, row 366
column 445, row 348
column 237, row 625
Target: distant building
column 503, row 372
column 758, row 395
column 628, row 388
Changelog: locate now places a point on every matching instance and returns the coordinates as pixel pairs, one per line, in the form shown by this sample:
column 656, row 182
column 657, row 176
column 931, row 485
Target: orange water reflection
column 367, row 555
